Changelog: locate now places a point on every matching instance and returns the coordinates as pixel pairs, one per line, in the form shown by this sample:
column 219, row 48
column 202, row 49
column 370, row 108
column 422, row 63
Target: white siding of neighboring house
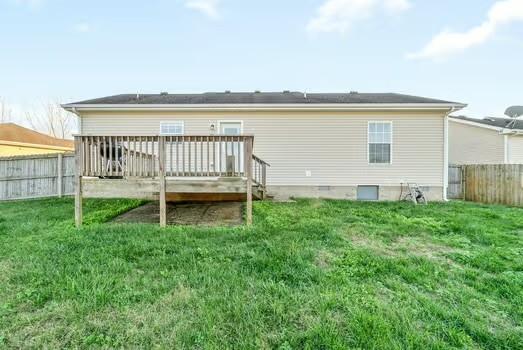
column 470, row 144
column 515, row 149
column 332, row 145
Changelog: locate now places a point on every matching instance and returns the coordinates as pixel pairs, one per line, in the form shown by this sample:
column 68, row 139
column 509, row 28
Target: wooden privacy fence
column 496, row 184
column 36, row 176
column 488, row 183
column 455, row 189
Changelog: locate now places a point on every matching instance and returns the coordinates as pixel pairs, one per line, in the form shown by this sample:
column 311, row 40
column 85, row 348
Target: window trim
column 391, row 141
column 229, row 121
column 181, row 122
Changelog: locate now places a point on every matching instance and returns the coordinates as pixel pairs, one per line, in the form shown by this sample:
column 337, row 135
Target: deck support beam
column 161, row 173
column 78, row 182
column 248, row 174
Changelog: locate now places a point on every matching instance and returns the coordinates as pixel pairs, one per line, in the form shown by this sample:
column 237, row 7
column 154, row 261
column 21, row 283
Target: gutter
column 500, row 130
column 511, row 132
column 75, row 108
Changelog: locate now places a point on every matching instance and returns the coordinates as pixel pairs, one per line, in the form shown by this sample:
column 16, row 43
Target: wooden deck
column 168, row 168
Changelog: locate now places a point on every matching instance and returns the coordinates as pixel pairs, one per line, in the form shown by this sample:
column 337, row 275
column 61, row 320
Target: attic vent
column 286, row 91
column 227, row 91
column 353, row 92
column 164, row 93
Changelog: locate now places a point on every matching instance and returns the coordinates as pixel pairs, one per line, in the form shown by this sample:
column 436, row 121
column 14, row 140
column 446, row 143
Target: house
column 485, row 141
column 331, row 145
column 16, row 140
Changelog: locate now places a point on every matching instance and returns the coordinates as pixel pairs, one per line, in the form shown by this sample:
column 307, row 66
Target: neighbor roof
column 285, row 97
column 496, row 122
column 11, row 132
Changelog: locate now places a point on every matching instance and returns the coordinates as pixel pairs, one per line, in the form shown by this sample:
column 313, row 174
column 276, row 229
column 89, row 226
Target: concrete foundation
column 224, row 189
column 386, row 193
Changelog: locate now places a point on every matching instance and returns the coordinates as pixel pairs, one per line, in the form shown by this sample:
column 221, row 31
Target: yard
column 311, row 274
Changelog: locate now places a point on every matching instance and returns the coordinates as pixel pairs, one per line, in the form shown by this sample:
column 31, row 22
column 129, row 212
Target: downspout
column 505, row 149
column 446, row 153
column 73, row 110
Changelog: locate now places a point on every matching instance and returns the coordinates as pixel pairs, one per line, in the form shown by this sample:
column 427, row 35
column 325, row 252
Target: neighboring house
column 485, row 141
column 332, row 145
column 16, row 140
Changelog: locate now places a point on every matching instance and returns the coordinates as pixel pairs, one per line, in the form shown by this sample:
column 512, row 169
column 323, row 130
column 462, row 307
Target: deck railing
column 182, row 156
column 259, row 173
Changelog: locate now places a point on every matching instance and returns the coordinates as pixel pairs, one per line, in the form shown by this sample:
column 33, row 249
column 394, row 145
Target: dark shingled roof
column 497, row 122
column 293, row 97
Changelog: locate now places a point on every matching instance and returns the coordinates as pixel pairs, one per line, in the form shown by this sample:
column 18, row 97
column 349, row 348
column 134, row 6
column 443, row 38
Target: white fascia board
column 255, row 107
column 35, row 145
column 512, row 132
column 501, row 130
column 479, row 125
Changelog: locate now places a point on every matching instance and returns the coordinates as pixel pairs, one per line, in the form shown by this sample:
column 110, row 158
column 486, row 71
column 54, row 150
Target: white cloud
column 339, row 15
column 82, row 27
column 207, row 7
column 448, row 42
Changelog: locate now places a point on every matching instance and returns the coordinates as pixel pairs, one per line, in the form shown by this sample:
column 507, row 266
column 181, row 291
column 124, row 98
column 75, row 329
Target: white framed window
column 379, row 142
column 230, row 127
column 172, row 128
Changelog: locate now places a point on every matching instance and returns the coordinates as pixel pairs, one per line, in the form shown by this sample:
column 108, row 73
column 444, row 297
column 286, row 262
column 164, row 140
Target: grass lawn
column 311, row 274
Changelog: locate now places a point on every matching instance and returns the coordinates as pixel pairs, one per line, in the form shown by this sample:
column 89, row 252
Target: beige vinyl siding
column 470, row 144
column 515, row 149
column 332, row 145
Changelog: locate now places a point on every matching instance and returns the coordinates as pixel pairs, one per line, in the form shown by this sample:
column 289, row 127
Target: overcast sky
column 467, row 51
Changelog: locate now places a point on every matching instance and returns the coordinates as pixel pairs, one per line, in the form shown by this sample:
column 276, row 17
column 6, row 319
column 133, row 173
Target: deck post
column 161, row 172
column 248, row 173
column 264, row 180
column 78, row 160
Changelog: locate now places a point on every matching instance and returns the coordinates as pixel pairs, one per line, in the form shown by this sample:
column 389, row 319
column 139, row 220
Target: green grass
column 311, row 274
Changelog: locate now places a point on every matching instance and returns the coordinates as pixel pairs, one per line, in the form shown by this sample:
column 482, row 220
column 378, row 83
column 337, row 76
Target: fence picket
column 488, row 183
column 36, row 176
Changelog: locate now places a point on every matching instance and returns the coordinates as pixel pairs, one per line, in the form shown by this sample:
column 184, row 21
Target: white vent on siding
column 368, row 193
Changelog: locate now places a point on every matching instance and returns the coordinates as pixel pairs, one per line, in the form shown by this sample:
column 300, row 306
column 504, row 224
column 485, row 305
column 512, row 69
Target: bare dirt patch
column 372, row 243
column 423, row 248
column 405, row 245
column 323, row 259
column 202, row 213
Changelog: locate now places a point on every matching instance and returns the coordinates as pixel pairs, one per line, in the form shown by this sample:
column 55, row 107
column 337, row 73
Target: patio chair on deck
column 113, row 158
